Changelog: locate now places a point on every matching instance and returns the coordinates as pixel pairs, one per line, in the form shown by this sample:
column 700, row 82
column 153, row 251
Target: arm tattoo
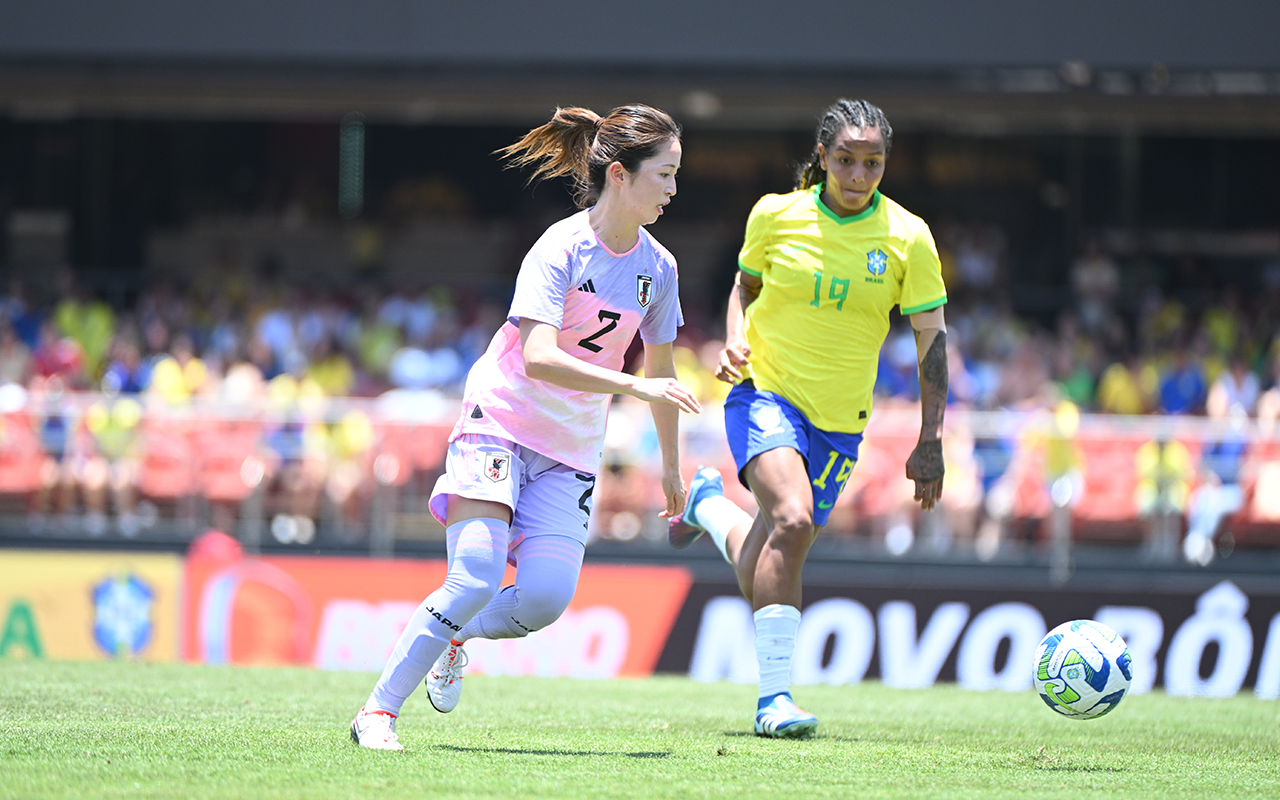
column 926, row 463
column 925, row 466
column 933, row 384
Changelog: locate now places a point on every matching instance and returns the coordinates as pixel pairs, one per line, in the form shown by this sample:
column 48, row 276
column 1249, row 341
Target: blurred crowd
column 237, row 340
column 1129, row 337
column 110, row 410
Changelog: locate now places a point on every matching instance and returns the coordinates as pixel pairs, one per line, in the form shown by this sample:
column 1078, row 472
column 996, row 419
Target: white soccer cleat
column 783, row 719
column 375, row 730
column 444, row 681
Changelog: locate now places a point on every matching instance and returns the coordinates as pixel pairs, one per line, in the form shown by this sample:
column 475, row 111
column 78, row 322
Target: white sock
column 494, row 620
column 776, row 627
column 718, row 515
column 546, row 579
column 478, row 559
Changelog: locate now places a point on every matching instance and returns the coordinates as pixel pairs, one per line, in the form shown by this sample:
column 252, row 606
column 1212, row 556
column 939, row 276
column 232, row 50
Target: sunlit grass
column 131, row 730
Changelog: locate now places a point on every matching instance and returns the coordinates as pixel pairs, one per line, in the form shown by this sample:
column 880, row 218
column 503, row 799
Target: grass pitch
column 131, row 730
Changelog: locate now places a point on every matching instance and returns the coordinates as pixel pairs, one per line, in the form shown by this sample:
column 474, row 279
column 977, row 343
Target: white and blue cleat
column 781, row 718
column 683, row 529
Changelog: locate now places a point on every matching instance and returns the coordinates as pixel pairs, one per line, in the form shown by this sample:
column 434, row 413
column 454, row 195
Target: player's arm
column 545, row 361
column 736, row 353
column 659, row 362
column 925, row 465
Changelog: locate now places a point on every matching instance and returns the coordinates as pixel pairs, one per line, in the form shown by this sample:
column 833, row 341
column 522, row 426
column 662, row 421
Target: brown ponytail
column 579, row 144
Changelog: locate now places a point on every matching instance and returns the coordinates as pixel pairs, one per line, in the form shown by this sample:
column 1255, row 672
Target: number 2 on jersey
column 612, row 322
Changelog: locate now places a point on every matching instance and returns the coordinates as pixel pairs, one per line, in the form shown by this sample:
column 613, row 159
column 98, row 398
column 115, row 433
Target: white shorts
column 545, row 496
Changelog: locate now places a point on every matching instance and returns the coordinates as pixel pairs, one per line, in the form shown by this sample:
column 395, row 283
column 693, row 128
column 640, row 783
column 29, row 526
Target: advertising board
column 346, row 613
column 1205, row 640
column 1207, row 636
column 89, row 605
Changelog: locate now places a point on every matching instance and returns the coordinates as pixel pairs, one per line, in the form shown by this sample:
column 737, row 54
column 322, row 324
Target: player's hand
column 734, row 356
column 674, row 490
column 925, row 467
column 670, row 391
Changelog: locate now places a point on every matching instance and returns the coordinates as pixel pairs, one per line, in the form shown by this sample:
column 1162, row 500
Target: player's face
column 651, row 187
column 854, row 165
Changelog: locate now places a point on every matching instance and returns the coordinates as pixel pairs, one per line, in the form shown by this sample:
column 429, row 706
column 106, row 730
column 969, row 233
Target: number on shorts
column 841, row 478
column 590, row 341
column 582, row 501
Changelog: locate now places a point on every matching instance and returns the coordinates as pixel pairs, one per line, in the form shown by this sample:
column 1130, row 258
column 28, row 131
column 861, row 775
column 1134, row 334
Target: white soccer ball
column 1082, row 669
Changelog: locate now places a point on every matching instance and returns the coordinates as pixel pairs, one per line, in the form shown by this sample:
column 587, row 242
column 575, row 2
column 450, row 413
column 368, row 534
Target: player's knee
column 475, row 577
column 792, row 531
column 540, row 608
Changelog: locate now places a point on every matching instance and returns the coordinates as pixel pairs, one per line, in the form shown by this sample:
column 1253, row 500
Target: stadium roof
column 999, row 66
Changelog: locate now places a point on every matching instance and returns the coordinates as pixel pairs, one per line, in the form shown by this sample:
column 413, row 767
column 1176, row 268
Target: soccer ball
column 1082, row 669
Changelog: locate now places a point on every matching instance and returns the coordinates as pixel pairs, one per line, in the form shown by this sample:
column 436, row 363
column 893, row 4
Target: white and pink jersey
column 599, row 300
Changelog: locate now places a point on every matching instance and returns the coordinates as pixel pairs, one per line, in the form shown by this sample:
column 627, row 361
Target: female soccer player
column 523, row 457
column 820, row 270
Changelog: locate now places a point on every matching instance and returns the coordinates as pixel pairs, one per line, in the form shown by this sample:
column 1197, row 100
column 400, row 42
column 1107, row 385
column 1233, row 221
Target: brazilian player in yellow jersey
column 820, row 270
column 827, row 284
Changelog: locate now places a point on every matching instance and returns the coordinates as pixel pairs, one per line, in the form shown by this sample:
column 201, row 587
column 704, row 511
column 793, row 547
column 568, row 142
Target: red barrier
column 345, row 613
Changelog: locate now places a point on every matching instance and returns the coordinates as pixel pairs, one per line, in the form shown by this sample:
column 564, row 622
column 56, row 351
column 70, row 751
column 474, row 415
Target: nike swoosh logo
column 823, row 504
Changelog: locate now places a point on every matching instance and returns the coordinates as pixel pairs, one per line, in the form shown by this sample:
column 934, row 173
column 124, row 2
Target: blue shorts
column 756, row 421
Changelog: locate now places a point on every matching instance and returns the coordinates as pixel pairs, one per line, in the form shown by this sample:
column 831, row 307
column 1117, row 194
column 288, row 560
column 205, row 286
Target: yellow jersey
column 829, row 283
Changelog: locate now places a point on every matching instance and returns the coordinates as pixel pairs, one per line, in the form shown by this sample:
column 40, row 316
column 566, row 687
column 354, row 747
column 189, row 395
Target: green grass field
column 131, row 730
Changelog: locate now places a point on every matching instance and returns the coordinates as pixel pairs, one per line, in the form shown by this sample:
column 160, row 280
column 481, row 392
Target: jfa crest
column 644, row 290
column 877, row 262
column 497, row 466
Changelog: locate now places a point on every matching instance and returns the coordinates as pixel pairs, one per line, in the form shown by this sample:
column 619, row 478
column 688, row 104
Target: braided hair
column 842, row 114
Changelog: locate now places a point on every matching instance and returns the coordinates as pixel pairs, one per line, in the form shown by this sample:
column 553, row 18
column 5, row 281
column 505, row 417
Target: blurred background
column 251, row 249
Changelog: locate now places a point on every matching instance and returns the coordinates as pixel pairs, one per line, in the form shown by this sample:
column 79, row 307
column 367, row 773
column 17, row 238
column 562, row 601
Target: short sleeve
column 664, row 315
column 922, row 286
column 752, row 259
column 544, row 279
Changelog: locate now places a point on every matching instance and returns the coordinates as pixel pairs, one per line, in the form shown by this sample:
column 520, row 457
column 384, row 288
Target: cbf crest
column 877, row 262
column 122, row 615
column 644, row 290
column 497, row 466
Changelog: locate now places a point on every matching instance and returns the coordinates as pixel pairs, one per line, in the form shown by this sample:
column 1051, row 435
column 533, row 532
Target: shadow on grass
column 754, row 735
column 1075, row 768
column 1047, row 762
column 524, row 751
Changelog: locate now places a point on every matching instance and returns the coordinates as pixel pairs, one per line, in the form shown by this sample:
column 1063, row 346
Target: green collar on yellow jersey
column 868, row 211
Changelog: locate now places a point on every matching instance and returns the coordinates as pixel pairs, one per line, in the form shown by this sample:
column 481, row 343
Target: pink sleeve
column 544, row 280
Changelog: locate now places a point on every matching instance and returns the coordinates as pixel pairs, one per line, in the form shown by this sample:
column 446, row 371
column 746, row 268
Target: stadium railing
column 356, row 474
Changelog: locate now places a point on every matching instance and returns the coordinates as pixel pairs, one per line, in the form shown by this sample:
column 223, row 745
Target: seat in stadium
column 1257, row 523
column 230, row 469
column 20, row 461
column 428, row 445
column 1108, row 507
column 167, row 475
